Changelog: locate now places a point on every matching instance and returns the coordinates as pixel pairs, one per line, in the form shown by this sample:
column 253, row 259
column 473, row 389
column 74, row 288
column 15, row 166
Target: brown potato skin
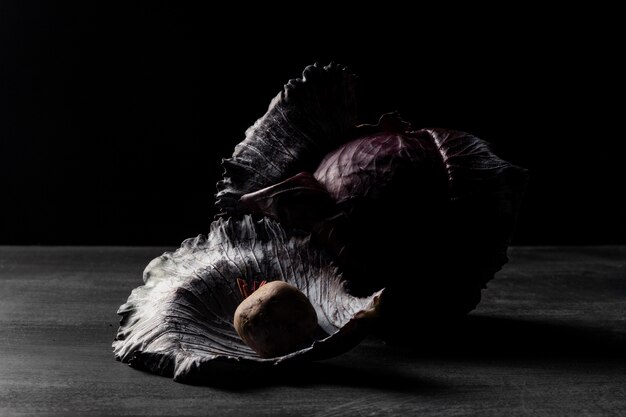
column 276, row 319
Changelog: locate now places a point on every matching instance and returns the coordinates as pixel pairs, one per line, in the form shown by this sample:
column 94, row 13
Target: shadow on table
column 512, row 339
column 354, row 373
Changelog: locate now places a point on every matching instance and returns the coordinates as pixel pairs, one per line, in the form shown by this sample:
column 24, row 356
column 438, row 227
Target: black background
column 114, row 118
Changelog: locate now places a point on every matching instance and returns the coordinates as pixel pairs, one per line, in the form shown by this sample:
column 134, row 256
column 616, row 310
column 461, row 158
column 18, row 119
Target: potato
column 276, row 319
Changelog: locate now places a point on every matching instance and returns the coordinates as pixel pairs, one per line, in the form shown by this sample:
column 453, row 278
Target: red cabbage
column 428, row 213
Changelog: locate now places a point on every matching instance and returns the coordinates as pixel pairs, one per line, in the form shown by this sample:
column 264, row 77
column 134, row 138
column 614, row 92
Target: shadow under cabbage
column 478, row 336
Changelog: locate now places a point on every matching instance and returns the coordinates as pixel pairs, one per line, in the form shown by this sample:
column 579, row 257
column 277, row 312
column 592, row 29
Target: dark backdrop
column 114, row 118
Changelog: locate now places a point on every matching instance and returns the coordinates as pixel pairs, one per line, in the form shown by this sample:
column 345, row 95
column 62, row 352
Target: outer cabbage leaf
column 311, row 116
column 180, row 322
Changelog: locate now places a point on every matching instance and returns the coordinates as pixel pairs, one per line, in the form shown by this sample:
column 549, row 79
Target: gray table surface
column 548, row 339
